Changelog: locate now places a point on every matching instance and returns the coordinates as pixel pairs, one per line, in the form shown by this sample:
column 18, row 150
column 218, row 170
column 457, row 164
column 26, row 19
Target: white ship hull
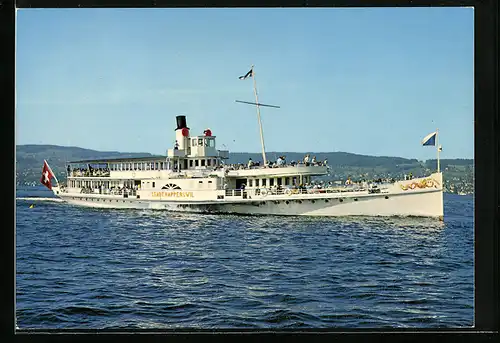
column 427, row 202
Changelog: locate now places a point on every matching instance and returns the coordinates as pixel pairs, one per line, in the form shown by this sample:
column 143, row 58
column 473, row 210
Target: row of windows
column 138, row 166
column 202, row 163
column 208, row 142
column 159, row 165
column 279, row 181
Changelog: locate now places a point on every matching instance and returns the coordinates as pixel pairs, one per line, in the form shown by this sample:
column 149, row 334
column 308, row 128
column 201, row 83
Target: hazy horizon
column 250, row 152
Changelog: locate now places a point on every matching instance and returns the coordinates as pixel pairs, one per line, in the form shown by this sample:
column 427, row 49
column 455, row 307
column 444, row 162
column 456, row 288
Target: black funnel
column 181, row 122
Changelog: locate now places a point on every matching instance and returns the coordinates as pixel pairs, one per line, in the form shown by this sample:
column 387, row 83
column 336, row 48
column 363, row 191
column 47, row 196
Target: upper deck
column 192, row 156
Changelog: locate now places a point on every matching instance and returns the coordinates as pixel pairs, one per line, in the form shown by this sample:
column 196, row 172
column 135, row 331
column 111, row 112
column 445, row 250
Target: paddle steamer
column 193, row 176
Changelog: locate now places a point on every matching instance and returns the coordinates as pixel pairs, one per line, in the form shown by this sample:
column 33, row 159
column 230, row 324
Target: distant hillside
column 29, row 161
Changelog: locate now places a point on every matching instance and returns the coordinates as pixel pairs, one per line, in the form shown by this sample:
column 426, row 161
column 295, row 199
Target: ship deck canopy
column 121, row 159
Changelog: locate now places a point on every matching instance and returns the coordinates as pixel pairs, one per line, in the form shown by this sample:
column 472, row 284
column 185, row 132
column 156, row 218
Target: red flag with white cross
column 46, row 175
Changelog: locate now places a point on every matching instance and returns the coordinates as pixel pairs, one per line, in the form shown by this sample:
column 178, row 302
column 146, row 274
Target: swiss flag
column 46, row 175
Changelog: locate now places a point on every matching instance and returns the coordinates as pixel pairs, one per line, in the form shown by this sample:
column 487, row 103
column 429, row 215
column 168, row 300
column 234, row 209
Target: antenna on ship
column 251, row 74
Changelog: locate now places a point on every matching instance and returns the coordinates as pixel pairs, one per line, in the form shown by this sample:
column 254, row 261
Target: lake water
column 95, row 269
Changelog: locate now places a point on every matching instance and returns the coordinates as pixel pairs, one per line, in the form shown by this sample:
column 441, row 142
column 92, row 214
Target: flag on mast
column 430, row 139
column 46, row 175
column 249, row 74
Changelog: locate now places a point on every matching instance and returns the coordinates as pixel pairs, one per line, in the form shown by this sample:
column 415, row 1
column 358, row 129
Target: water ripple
column 87, row 268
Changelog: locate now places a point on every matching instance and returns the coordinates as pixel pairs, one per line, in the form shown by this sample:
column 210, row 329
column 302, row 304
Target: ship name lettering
column 172, row 194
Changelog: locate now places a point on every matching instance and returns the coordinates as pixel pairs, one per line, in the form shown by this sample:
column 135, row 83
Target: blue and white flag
column 430, row 139
column 249, row 74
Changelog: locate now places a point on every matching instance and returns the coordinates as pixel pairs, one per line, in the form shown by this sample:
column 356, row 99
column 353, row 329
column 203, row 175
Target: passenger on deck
column 306, row 160
column 313, row 161
column 325, row 162
column 176, row 146
column 250, row 163
column 279, row 161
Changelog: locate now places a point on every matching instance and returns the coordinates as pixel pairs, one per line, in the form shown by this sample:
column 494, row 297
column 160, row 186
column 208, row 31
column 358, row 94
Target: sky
column 371, row 81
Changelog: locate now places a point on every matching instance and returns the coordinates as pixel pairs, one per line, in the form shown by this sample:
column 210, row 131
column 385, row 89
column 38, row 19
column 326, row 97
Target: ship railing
column 234, row 192
column 87, row 173
column 242, row 166
column 109, row 191
column 302, row 191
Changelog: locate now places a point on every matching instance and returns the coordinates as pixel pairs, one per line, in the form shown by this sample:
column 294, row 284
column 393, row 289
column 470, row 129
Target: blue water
column 95, row 269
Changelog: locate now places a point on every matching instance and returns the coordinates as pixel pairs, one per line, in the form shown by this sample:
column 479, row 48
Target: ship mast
column 258, row 117
column 252, row 74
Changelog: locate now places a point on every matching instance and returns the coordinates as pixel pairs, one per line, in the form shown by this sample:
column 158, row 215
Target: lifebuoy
column 413, row 185
column 429, row 183
column 263, row 192
column 288, row 191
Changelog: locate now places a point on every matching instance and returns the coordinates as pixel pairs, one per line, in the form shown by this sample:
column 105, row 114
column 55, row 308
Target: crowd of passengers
column 280, row 162
column 113, row 189
column 322, row 185
column 87, row 171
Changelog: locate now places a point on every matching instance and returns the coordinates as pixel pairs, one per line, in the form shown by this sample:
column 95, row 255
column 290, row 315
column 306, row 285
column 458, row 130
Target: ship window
column 206, row 141
column 200, row 181
column 209, row 181
column 279, row 181
column 190, row 163
column 271, row 182
column 257, row 183
column 153, row 184
column 264, row 182
column 211, row 142
column 202, row 163
column 196, row 163
column 209, row 162
column 200, row 141
column 294, row 180
column 287, row 181
column 193, row 142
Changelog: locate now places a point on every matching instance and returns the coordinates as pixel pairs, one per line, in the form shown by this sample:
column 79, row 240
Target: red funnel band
column 185, row 132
